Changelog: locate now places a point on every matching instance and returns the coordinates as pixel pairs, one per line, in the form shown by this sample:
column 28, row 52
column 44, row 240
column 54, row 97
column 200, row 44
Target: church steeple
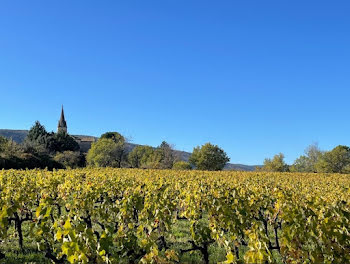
column 62, row 124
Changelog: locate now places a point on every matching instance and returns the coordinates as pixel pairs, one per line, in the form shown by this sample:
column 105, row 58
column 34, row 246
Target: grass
column 13, row 253
column 177, row 239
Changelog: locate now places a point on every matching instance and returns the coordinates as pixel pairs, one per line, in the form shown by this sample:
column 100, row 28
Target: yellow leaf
column 67, row 224
column 230, row 258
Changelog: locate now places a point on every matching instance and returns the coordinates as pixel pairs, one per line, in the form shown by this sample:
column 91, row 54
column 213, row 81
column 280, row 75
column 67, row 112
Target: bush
column 70, row 159
column 182, row 165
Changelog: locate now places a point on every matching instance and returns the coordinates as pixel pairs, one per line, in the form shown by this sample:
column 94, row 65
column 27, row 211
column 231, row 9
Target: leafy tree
column 161, row 157
column 34, row 147
column 335, row 161
column 121, row 151
column 35, row 152
column 307, row 162
column 61, row 142
column 37, row 132
column 70, row 159
column 115, row 136
column 182, row 165
column 139, row 156
column 208, row 157
column 3, row 143
column 9, row 148
column 301, row 164
column 36, row 140
column 167, row 156
column 313, row 152
column 275, row 164
column 153, row 160
column 39, row 140
column 12, row 156
column 105, row 153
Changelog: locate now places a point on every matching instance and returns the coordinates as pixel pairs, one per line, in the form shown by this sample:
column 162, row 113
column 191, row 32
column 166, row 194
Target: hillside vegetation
column 19, row 136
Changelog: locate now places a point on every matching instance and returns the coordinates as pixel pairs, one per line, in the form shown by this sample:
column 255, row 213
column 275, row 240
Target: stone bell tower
column 62, row 124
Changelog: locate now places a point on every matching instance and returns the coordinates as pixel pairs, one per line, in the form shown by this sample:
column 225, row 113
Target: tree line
column 42, row 149
column 111, row 151
column 314, row 159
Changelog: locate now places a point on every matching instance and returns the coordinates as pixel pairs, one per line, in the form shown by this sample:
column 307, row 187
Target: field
column 164, row 216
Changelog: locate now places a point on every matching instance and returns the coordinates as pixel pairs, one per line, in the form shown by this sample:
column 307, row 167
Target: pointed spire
column 62, row 115
column 62, row 124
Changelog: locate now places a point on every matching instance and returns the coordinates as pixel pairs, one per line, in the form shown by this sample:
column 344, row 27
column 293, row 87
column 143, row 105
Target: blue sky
column 254, row 77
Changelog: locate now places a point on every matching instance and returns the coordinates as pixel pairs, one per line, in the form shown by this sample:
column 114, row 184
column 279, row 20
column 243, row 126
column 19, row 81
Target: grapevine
column 126, row 215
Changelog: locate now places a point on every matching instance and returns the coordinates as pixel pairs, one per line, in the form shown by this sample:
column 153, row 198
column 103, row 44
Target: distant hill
column 16, row 135
column 240, row 167
column 19, row 135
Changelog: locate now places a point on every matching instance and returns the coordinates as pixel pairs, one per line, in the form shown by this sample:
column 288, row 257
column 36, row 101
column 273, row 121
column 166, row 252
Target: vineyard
column 164, row 216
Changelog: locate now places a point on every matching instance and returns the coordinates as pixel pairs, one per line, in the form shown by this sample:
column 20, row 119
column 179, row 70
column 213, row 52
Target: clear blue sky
column 254, row 77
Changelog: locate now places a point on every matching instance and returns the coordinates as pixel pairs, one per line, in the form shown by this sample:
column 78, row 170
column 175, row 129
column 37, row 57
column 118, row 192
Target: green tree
column 70, row 159
column 104, row 153
column 162, row 157
column 37, row 139
column 32, row 154
column 121, row 151
column 182, row 165
column 9, row 148
column 301, row 164
column 335, row 161
column 275, row 164
column 37, row 132
column 307, row 162
column 61, row 142
column 313, row 152
column 139, row 156
column 115, row 136
column 153, row 160
column 208, row 157
column 3, row 143
column 167, row 156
